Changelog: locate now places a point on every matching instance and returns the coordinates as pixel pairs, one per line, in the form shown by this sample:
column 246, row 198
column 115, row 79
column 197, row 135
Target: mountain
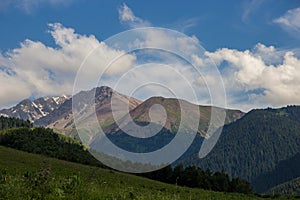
column 173, row 107
column 61, row 119
column 157, row 134
column 56, row 112
column 33, row 110
column 262, row 147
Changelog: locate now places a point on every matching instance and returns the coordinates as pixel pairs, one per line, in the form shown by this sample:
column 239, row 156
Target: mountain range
column 56, row 112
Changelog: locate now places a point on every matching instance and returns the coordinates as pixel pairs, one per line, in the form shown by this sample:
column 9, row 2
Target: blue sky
column 264, row 33
column 232, row 24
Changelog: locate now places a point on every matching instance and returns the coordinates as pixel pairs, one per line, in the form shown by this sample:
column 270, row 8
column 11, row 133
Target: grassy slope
column 95, row 183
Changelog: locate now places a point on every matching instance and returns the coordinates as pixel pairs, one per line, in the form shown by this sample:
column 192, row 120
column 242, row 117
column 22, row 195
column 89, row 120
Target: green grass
column 22, row 177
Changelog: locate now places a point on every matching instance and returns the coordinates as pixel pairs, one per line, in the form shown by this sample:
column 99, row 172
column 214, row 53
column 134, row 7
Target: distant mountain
column 172, row 106
column 262, row 147
column 33, row 110
column 56, row 112
column 158, row 135
column 61, row 119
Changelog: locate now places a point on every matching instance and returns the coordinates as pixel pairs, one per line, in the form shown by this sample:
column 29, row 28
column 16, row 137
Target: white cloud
column 127, row 17
column 270, row 55
column 249, row 67
column 258, row 77
column 35, row 69
column 248, row 74
column 39, row 70
column 290, row 21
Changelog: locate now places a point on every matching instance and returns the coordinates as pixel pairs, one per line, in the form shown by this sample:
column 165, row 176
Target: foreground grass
column 29, row 176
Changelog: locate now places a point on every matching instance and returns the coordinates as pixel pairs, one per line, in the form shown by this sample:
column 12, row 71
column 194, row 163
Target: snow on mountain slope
column 33, row 110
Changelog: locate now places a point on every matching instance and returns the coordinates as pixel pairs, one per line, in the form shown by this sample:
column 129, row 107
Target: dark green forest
column 46, row 142
column 197, row 178
column 8, row 122
column 257, row 148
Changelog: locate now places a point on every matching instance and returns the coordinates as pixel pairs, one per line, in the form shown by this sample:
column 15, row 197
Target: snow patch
column 40, row 108
column 56, row 99
column 34, row 105
column 60, row 99
column 3, row 115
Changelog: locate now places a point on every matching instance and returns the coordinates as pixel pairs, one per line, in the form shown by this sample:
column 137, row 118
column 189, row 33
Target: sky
column 254, row 43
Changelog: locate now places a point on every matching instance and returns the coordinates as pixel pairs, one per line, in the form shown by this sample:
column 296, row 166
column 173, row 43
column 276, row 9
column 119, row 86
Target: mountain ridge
column 34, row 109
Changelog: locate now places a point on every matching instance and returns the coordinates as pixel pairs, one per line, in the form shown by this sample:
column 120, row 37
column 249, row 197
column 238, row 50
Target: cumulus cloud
column 290, row 21
column 269, row 54
column 259, row 77
column 248, row 75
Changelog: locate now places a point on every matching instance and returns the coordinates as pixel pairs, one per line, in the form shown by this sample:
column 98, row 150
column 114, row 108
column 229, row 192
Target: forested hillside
column 44, row 141
column 256, row 148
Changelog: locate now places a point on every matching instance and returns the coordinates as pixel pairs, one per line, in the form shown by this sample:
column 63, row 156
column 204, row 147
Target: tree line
column 9, row 122
column 197, row 178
